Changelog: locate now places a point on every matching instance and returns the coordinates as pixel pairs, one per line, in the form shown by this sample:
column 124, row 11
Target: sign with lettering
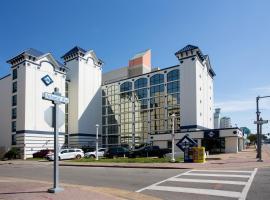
column 55, row 98
column 185, row 143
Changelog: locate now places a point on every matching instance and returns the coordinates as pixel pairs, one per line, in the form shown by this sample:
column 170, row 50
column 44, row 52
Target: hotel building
column 132, row 105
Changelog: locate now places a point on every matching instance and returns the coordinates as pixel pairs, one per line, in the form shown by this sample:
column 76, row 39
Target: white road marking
column 207, row 181
column 222, row 193
column 145, row 188
column 233, row 194
column 246, row 188
column 218, row 175
column 233, row 171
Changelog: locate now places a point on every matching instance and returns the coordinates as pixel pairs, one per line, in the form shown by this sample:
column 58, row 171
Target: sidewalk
column 244, row 159
column 18, row 189
column 241, row 160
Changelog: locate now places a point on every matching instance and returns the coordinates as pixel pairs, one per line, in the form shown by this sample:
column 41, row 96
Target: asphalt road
column 142, row 180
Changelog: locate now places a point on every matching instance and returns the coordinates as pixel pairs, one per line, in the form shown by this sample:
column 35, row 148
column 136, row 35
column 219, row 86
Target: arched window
column 157, row 79
column 139, row 83
column 173, row 75
column 126, row 86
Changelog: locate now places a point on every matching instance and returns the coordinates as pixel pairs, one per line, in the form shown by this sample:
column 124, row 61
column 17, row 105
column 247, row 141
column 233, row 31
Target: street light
column 259, row 128
column 97, row 142
column 173, row 137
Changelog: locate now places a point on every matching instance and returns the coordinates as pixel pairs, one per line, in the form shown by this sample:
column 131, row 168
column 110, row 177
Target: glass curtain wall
column 134, row 109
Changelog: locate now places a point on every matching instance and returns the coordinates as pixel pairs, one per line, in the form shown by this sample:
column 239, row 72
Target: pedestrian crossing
column 218, row 183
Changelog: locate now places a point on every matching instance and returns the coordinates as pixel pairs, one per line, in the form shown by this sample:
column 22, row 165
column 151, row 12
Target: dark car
column 43, row 153
column 149, row 151
column 113, row 152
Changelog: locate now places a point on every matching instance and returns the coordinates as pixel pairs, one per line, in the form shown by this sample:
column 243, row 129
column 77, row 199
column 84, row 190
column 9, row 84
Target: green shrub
column 13, row 153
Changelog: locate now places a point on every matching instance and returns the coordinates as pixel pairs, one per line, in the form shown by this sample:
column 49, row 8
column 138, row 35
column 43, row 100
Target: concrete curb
column 123, row 166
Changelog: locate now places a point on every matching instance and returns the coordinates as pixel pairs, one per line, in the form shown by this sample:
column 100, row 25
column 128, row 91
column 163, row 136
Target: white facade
column 196, row 89
column 225, row 122
column 5, row 110
column 84, row 91
column 233, row 139
column 30, row 124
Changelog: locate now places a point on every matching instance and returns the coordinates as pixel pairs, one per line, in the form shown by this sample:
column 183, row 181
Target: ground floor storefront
column 215, row 141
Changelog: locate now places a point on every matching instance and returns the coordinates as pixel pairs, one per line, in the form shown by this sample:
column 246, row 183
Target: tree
column 252, row 138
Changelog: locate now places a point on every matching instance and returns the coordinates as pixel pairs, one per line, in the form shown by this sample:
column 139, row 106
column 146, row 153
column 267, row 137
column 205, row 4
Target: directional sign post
column 56, row 99
column 260, row 122
column 185, row 144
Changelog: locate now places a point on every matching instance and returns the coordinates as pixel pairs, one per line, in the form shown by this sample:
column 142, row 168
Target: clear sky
column 235, row 34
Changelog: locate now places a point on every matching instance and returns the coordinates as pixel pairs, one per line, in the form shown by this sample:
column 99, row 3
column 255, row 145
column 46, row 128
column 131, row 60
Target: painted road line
column 232, row 171
column 207, row 181
column 246, row 188
column 218, row 175
column 145, row 188
column 222, row 193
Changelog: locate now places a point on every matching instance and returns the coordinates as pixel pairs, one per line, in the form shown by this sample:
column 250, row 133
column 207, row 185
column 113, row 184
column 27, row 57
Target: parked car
column 92, row 154
column 43, row 153
column 149, row 151
column 113, row 152
column 65, row 154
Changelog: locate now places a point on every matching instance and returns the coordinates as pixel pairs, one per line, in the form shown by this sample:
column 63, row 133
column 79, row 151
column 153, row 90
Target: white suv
column 68, row 154
column 93, row 153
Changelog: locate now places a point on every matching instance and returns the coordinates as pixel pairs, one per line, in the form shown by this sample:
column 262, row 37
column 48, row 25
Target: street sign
column 185, row 143
column 261, row 122
column 55, row 98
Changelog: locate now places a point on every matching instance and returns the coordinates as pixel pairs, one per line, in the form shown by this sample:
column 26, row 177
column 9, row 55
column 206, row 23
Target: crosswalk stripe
column 207, row 181
column 218, row 175
column 145, row 188
column 222, row 193
column 246, row 188
column 233, row 171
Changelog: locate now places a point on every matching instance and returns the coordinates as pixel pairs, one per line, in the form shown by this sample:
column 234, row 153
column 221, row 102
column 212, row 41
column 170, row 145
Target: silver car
column 65, row 154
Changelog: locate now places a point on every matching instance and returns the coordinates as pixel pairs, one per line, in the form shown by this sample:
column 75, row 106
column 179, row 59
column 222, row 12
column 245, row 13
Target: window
column 173, row 99
column 14, row 74
column 14, row 100
column 127, row 86
column 140, row 94
column 173, row 75
column 14, row 87
column 173, row 87
column 157, row 79
column 13, row 126
column 141, row 104
column 13, row 139
column 169, row 144
column 112, row 129
column 142, row 82
column 14, row 113
column 156, row 90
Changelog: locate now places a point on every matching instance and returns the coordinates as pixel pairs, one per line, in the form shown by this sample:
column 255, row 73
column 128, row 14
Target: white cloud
column 263, row 90
column 242, row 105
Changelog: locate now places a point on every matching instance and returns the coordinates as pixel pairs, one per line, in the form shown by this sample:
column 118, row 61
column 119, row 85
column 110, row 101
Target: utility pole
column 259, row 123
column 258, row 126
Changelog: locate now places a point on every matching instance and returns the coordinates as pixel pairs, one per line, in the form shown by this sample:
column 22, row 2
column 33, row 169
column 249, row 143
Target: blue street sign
column 185, row 143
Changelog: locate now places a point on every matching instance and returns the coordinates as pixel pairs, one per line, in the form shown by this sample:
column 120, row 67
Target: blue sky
column 234, row 33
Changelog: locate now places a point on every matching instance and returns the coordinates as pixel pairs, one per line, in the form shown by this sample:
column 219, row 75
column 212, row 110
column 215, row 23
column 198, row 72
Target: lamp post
column 97, row 142
column 173, row 137
column 259, row 123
